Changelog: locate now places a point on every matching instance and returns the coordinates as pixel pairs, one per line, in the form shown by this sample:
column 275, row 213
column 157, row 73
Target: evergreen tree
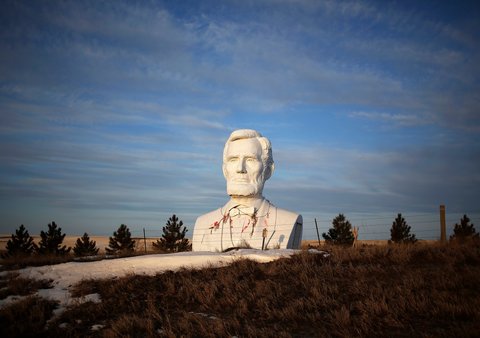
column 85, row 247
column 21, row 244
column 121, row 242
column 340, row 233
column 51, row 241
column 173, row 237
column 400, row 231
column 464, row 231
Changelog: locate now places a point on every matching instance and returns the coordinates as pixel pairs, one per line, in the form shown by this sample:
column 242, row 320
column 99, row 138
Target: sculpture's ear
column 269, row 171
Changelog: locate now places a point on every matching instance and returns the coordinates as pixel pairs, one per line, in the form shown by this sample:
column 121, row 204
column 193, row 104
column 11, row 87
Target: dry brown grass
column 13, row 285
column 26, row 318
column 371, row 291
column 18, row 262
column 420, row 290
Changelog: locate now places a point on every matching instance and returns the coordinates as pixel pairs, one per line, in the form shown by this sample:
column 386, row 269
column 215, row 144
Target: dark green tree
column 85, row 247
column 121, row 243
column 400, row 231
column 51, row 241
column 173, row 237
column 21, row 244
column 464, row 231
column 340, row 233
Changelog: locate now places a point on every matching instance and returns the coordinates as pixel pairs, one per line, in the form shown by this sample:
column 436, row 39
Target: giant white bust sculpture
column 248, row 219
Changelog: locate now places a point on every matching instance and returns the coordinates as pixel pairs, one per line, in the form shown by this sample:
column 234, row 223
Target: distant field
column 102, row 242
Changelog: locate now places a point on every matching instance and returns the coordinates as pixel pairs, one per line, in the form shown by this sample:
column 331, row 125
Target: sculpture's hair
column 267, row 157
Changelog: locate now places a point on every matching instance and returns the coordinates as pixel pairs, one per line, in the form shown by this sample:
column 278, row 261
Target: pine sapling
column 340, row 233
column 400, row 231
column 50, row 243
column 464, row 231
column 85, row 247
column 173, row 237
column 21, row 244
column 121, row 243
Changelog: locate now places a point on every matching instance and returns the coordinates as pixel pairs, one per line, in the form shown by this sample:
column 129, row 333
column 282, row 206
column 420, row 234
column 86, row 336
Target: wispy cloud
column 120, row 106
column 392, row 119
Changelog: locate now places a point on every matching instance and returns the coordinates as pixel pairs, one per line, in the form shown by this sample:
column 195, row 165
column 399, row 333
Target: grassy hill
column 421, row 290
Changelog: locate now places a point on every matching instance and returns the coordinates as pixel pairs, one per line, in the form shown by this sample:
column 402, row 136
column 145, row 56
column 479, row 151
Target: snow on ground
column 66, row 275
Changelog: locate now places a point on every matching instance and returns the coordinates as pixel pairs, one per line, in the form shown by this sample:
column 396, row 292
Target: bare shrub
column 26, row 318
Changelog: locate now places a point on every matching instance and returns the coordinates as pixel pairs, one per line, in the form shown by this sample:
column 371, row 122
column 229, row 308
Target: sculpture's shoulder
column 287, row 216
column 201, row 229
column 208, row 218
column 205, row 221
column 288, row 229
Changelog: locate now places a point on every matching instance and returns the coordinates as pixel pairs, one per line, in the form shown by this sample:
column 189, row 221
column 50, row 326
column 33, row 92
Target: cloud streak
column 116, row 111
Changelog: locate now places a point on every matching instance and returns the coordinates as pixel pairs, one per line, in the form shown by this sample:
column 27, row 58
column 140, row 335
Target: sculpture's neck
column 249, row 201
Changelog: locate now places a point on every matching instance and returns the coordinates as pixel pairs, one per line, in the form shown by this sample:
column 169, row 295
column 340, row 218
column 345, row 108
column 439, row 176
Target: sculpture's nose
column 241, row 166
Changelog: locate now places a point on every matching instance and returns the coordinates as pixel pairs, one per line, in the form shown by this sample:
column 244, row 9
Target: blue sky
column 117, row 112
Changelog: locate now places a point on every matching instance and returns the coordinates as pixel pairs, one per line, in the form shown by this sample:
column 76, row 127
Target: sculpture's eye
column 233, row 159
column 251, row 159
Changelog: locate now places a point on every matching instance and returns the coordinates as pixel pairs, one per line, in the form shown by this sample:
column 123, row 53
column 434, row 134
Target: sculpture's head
column 247, row 162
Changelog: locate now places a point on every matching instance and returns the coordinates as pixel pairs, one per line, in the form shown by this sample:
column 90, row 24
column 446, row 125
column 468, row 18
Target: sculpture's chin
column 243, row 190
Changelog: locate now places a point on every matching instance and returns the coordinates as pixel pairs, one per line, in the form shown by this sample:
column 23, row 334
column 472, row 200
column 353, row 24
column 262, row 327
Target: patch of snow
column 93, row 297
column 318, row 252
column 97, row 327
column 66, row 275
column 4, row 273
column 10, row 299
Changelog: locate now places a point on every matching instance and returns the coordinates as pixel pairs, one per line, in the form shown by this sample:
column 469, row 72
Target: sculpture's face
column 244, row 168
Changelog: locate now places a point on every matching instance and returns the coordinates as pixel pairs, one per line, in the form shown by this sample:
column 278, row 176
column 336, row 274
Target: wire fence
column 425, row 226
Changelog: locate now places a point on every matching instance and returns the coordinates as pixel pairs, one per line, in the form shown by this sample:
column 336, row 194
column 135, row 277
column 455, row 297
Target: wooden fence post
column 264, row 235
column 443, row 227
column 144, row 240
column 318, row 235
